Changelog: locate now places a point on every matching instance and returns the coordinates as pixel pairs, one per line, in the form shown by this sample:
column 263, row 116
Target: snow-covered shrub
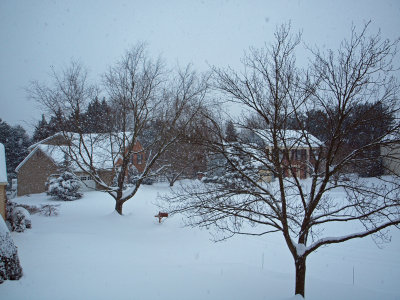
column 211, row 179
column 64, row 187
column 9, row 208
column 148, row 181
column 133, row 175
column 49, row 210
column 44, row 209
column 20, row 219
column 32, row 209
column 10, row 267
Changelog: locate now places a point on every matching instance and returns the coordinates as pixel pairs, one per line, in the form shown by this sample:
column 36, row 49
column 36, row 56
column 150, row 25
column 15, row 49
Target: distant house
column 296, row 151
column 390, row 154
column 48, row 157
column 3, row 182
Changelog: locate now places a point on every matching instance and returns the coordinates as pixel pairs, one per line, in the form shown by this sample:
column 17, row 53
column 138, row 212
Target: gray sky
column 35, row 35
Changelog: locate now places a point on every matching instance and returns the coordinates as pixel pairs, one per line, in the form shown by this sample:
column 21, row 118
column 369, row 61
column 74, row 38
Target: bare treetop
column 307, row 135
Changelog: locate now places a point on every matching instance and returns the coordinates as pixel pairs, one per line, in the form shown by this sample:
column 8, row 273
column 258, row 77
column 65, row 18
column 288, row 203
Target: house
column 3, row 182
column 48, row 157
column 390, row 155
column 297, row 151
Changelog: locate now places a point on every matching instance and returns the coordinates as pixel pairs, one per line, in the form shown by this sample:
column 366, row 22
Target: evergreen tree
column 97, row 118
column 56, row 123
column 42, row 130
column 16, row 143
column 230, row 132
column 66, row 187
column 366, row 122
column 5, row 132
column 92, row 113
column 45, row 129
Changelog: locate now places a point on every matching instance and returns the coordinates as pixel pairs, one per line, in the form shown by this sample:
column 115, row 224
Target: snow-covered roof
column 95, row 147
column 289, row 138
column 33, row 146
column 3, row 169
column 101, row 155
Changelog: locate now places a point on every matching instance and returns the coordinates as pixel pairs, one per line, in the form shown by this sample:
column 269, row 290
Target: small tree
column 65, row 187
column 230, row 132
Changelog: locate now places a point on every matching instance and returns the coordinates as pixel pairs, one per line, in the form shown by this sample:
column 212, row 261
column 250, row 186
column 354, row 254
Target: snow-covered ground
column 89, row 252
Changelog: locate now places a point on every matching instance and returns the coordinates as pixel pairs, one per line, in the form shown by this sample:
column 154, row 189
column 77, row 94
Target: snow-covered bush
column 133, row 175
column 64, row 187
column 20, row 219
column 9, row 208
column 43, row 209
column 10, row 267
column 49, row 210
column 148, row 181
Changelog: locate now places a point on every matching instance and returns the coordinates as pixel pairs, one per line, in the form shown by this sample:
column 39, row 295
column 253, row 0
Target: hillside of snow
column 90, row 252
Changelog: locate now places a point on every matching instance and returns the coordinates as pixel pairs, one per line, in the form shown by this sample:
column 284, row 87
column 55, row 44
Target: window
column 303, row 154
column 286, row 154
column 140, row 159
column 294, row 154
column 314, row 154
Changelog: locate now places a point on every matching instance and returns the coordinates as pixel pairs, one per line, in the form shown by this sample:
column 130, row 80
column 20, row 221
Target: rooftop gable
column 289, row 138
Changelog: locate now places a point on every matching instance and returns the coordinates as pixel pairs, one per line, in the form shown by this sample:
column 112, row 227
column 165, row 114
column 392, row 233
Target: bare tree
column 185, row 160
column 262, row 182
column 188, row 159
column 140, row 95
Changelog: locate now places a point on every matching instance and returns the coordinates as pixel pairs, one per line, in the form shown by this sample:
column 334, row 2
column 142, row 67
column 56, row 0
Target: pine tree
column 64, row 187
column 230, row 132
column 16, row 143
column 97, row 118
column 5, row 132
column 42, row 130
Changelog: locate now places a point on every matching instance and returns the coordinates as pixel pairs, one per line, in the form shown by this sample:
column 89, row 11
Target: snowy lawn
column 90, row 252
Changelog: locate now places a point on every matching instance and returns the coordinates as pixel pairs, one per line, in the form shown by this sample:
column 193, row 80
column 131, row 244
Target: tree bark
column 300, row 263
column 118, row 207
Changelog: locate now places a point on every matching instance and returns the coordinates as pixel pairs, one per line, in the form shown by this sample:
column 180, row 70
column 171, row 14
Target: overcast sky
column 35, row 34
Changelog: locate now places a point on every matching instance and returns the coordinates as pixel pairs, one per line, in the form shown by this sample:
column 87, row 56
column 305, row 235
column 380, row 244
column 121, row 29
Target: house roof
column 289, row 138
column 3, row 169
column 100, row 148
column 33, row 146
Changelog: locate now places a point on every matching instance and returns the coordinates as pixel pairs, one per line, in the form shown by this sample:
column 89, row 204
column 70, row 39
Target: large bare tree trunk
column 300, row 263
column 118, row 206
